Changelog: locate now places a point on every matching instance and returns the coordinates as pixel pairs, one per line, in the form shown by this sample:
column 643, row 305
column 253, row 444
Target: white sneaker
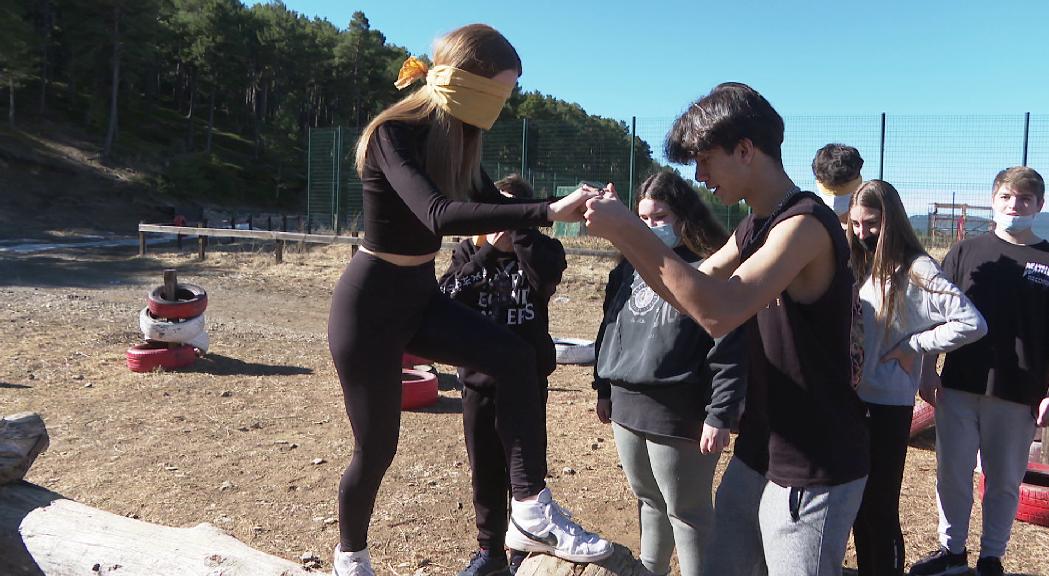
column 543, row 526
column 351, row 563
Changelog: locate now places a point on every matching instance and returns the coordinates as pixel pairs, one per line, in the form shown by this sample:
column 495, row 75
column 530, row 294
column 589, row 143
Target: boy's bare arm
column 724, row 262
column 718, row 305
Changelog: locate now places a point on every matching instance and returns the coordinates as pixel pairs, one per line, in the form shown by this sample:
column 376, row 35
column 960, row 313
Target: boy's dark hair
column 731, row 112
column 516, row 186
column 837, row 164
column 1020, row 179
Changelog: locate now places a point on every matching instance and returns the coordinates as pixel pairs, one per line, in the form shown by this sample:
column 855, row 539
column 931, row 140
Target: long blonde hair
column 452, row 155
column 898, row 247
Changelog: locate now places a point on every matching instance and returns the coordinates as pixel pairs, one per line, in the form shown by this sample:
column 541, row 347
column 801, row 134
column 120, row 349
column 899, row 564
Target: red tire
column 411, row 360
column 923, row 418
column 152, row 355
column 1034, row 495
column 190, row 301
column 418, row 389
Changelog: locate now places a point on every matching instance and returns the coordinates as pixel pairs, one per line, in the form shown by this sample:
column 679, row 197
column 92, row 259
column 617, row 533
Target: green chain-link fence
column 941, row 164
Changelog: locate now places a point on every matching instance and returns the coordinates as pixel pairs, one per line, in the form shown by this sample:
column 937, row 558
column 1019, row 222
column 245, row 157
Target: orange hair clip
column 411, row 70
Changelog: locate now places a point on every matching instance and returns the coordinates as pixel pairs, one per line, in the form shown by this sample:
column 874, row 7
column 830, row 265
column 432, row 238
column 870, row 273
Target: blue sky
column 954, row 77
column 650, row 59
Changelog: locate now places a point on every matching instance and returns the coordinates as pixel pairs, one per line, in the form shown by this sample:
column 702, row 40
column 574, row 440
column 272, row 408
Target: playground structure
column 950, row 223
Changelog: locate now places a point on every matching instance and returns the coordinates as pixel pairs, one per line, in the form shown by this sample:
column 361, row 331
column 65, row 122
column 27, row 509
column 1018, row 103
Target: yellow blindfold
column 473, row 99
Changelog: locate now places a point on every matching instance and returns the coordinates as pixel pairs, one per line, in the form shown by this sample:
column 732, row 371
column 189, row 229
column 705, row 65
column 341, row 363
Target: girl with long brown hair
column 910, row 309
column 666, row 385
column 419, row 163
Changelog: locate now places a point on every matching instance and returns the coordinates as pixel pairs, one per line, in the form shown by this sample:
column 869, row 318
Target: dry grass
column 231, row 440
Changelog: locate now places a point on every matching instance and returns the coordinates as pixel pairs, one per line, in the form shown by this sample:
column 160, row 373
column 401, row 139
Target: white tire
column 574, row 351
column 164, row 331
column 200, row 343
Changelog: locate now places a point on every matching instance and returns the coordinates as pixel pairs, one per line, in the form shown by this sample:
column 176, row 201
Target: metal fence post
column 309, row 175
column 881, row 151
column 630, row 186
column 524, row 146
column 1027, row 128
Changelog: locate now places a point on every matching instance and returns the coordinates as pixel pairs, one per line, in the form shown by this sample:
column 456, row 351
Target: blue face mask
column 1013, row 224
column 667, row 234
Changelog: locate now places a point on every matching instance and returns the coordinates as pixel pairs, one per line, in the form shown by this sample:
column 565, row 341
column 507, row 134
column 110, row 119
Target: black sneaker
column 486, row 563
column 941, row 563
column 517, row 557
column 989, row 566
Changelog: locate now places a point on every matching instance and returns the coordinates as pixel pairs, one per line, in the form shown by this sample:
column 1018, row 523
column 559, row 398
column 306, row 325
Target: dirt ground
column 233, row 439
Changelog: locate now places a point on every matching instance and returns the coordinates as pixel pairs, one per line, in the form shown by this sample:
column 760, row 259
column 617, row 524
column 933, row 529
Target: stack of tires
column 173, row 329
column 418, row 382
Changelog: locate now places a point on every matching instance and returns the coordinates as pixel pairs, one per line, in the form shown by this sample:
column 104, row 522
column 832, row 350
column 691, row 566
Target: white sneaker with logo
column 352, row 563
column 544, row 526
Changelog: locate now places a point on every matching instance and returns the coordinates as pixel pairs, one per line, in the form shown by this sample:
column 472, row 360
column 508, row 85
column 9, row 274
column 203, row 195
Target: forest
column 218, row 97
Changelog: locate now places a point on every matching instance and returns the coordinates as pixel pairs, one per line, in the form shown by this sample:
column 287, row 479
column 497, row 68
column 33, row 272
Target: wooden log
column 44, row 534
column 22, row 438
column 620, row 563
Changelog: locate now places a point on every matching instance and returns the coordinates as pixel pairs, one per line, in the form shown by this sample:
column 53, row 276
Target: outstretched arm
column 717, row 305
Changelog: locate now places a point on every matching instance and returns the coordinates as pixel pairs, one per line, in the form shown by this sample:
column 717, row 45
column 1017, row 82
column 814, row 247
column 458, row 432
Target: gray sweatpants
column 735, row 547
column 672, row 481
column 806, row 530
column 763, row 528
column 1001, row 432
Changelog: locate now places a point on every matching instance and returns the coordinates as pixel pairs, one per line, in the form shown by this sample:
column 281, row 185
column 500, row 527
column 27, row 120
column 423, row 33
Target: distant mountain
column 974, row 224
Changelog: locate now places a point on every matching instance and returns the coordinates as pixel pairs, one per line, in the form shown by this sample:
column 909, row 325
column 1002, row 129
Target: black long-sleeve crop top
column 405, row 213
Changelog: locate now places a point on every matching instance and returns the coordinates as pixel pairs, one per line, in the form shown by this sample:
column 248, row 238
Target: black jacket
column 644, row 344
column 511, row 288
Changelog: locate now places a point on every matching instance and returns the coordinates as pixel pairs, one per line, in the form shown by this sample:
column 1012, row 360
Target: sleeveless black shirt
column 803, row 423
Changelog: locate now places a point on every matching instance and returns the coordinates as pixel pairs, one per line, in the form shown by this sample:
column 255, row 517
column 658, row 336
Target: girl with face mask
column 666, row 385
column 910, row 309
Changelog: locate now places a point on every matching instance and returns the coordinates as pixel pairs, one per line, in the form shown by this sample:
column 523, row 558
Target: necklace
column 772, row 217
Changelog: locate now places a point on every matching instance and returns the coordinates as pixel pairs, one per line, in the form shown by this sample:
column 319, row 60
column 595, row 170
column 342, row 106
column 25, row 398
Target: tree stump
column 620, row 563
column 22, row 438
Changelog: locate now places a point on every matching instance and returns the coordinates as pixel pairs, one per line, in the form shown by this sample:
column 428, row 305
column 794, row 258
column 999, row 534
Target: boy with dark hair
column 785, row 279
column 509, row 277
column 837, row 171
column 993, row 391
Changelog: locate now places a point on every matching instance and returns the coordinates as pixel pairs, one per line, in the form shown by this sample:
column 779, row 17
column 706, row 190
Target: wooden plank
column 1045, row 445
column 273, row 235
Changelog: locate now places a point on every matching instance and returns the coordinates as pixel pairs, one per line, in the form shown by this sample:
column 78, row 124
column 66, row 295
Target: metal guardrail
column 282, row 238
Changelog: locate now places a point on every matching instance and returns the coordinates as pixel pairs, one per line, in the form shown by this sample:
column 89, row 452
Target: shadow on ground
column 20, row 498
column 220, row 365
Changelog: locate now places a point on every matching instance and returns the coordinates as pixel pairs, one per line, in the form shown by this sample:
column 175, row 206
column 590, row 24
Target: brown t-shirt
column 803, row 423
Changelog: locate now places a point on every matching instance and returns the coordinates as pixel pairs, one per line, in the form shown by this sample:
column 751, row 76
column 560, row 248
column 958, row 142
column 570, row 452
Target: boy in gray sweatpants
column 993, row 391
column 785, row 279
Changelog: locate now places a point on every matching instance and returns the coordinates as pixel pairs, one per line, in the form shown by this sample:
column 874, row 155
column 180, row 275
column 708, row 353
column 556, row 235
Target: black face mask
column 870, row 243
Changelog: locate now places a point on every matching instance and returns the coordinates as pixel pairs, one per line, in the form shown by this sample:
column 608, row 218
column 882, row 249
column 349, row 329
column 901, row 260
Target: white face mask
column 1013, row 224
column 666, row 233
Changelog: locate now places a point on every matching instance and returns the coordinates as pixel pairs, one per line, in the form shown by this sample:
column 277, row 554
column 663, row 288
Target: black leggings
column 879, row 540
column 378, row 312
column 488, row 470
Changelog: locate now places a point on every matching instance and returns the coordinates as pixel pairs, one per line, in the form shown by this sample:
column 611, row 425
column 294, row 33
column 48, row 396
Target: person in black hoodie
column 509, row 277
column 670, row 390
